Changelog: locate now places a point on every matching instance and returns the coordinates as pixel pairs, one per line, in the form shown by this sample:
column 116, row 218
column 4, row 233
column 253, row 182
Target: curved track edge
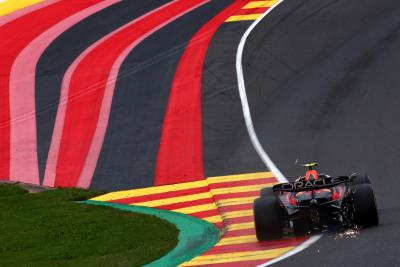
column 253, row 136
column 195, row 236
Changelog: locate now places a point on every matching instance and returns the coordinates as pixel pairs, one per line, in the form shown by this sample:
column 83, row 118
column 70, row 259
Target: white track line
column 253, row 136
column 296, row 250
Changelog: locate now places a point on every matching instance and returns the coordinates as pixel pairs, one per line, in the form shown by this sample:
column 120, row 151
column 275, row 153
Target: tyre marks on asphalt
column 225, row 201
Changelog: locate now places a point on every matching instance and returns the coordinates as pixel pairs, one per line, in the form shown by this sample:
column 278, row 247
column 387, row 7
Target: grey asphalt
column 323, row 84
column 129, row 152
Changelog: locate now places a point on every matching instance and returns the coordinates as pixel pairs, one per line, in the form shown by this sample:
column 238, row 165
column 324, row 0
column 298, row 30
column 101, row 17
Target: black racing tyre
column 267, row 192
column 360, row 179
column 268, row 218
column 365, row 212
column 301, row 227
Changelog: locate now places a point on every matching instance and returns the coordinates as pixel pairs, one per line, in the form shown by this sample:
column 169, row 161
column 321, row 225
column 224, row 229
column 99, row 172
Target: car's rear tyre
column 267, row 192
column 365, row 212
column 360, row 179
column 268, row 218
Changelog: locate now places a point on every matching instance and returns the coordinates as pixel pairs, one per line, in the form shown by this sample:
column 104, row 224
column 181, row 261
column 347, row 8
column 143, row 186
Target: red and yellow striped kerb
column 252, row 10
column 226, row 202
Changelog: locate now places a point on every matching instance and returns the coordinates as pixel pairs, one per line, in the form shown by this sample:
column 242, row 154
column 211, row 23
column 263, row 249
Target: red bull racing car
column 312, row 202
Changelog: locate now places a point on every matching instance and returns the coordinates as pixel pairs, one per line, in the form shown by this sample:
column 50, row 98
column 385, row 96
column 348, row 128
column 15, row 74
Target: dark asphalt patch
column 322, row 82
column 226, row 145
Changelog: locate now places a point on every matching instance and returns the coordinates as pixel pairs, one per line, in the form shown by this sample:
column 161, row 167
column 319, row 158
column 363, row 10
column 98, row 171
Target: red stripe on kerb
column 248, row 206
column 186, row 204
column 242, row 232
column 239, row 220
column 19, row 33
column 87, row 87
column 219, row 225
column 204, row 214
column 180, row 156
column 178, row 193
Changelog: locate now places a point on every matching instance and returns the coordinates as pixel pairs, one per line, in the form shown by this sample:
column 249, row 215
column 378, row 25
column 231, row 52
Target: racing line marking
column 253, row 136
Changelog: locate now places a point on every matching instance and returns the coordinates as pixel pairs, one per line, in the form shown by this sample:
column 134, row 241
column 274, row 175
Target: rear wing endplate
column 310, row 185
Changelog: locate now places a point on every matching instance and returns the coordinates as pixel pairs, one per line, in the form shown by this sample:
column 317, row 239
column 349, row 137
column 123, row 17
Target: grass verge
column 49, row 229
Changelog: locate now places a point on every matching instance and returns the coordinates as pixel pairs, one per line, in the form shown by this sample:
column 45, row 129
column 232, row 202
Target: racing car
column 314, row 201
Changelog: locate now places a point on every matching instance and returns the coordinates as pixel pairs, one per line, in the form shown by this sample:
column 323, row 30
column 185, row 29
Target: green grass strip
column 195, row 236
column 52, row 228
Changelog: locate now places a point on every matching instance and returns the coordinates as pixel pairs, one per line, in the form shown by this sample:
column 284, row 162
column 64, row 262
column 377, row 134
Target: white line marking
column 296, row 250
column 245, row 105
column 253, row 136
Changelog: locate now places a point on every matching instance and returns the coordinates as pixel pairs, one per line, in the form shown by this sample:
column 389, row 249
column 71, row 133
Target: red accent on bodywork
column 337, row 194
column 310, row 173
column 291, row 199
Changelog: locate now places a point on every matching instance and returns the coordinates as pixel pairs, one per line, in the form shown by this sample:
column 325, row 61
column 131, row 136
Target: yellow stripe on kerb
column 237, row 214
column 173, row 200
column 213, row 219
column 237, row 240
column 235, row 201
column 239, row 177
column 9, row 6
column 233, row 214
column 237, row 256
column 198, row 208
column 240, row 226
column 260, row 4
column 243, row 17
column 150, row 191
column 238, row 189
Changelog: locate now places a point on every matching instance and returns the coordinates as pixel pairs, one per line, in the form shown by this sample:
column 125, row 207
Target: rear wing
column 322, row 183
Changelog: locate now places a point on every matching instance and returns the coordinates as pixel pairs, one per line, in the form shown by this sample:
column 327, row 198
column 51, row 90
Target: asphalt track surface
column 322, row 83
column 132, row 138
column 321, row 79
column 133, row 135
column 226, row 146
